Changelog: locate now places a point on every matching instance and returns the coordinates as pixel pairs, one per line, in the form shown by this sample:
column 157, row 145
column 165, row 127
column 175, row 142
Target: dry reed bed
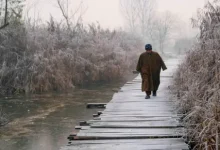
column 45, row 58
column 197, row 83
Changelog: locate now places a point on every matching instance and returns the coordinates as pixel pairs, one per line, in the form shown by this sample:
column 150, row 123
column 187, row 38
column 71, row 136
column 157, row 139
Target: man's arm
column 163, row 66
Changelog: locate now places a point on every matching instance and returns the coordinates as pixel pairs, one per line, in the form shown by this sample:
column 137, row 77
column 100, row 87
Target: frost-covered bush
column 45, row 58
column 197, row 82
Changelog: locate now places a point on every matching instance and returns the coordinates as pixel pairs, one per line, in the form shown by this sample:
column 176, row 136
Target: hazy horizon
column 108, row 13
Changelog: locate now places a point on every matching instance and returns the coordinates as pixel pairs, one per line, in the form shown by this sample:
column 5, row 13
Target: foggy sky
column 107, row 12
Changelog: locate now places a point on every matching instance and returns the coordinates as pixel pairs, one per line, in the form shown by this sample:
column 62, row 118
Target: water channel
column 43, row 121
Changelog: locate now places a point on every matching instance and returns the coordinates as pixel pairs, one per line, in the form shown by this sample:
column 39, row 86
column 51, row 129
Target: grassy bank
column 50, row 57
column 197, row 82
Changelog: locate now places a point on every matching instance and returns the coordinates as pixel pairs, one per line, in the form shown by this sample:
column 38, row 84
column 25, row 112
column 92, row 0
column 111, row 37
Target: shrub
column 45, row 58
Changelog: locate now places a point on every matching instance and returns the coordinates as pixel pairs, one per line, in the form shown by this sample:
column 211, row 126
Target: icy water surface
column 43, row 122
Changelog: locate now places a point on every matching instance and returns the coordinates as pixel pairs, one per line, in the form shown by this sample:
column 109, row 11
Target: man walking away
column 149, row 65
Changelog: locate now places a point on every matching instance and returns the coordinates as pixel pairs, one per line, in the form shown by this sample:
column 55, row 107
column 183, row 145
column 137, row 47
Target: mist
column 109, row 15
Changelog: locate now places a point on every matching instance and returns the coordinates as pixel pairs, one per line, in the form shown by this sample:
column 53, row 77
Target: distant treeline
column 50, row 57
column 197, row 82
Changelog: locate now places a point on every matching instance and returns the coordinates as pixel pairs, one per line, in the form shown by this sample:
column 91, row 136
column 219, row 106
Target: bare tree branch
column 130, row 12
column 71, row 17
column 6, row 11
column 18, row 15
column 3, row 26
column 162, row 28
column 65, row 14
column 138, row 14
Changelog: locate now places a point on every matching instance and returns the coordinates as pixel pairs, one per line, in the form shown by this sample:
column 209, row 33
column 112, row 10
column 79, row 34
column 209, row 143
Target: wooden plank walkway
column 131, row 122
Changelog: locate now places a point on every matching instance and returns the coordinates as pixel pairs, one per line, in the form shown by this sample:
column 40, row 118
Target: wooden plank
column 78, row 127
column 83, row 123
column 142, row 124
column 133, row 141
column 142, row 104
column 95, row 115
column 134, row 113
column 150, row 115
column 133, row 119
column 125, row 131
column 136, row 72
column 96, row 105
column 139, row 100
column 126, row 147
column 144, row 108
column 92, row 136
column 140, row 144
column 121, row 133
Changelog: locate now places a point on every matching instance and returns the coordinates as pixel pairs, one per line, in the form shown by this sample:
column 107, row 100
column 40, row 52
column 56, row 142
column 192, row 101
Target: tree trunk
column 6, row 16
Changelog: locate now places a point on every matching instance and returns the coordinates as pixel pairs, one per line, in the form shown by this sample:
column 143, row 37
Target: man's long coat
column 149, row 65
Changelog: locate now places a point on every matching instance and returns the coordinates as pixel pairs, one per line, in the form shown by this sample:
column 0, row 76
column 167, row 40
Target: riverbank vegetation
column 44, row 58
column 60, row 56
column 197, row 82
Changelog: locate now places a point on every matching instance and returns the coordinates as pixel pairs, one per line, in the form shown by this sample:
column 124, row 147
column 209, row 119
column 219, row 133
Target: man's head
column 148, row 47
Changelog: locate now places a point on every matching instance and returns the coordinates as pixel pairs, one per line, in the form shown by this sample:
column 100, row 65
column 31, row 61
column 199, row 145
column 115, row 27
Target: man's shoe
column 147, row 97
column 154, row 93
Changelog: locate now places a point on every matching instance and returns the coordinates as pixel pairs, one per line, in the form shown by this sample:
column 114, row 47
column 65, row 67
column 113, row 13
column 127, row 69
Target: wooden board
column 170, row 141
column 137, row 124
column 136, row 144
column 108, row 133
column 126, row 146
column 134, row 119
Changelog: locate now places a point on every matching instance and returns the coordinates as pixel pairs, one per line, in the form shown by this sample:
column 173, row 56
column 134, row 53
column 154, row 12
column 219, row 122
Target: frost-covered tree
column 138, row 15
column 130, row 13
column 4, row 13
column 161, row 29
column 10, row 10
column 142, row 19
